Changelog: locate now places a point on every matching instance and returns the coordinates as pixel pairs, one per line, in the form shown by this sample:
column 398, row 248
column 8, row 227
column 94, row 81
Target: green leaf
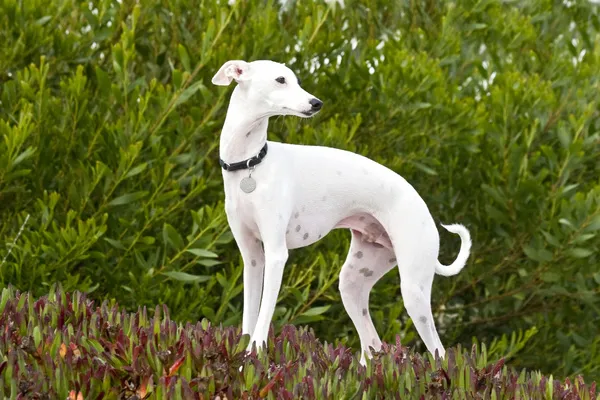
column 419, row 106
column 475, row 27
column 103, row 81
column 297, row 295
column 580, row 252
column 115, row 243
column 424, row 168
column 551, row 239
column 30, row 151
column 128, row 198
column 303, row 319
column 315, row 311
column 44, row 20
column 566, row 222
column 551, row 277
column 594, row 225
column 564, row 136
column 37, row 336
column 202, row 253
column 185, row 58
column 530, row 252
column 149, row 240
column 545, row 255
column 93, row 343
column 223, row 281
column 185, row 277
column 225, row 238
column 177, row 78
column 208, row 313
column 136, row 170
column 584, row 237
column 208, row 263
column 495, row 193
column 172, row 237
column 189, row 92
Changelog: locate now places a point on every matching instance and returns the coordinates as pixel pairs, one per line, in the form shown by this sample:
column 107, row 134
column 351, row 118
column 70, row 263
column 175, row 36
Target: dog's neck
column 243, row 136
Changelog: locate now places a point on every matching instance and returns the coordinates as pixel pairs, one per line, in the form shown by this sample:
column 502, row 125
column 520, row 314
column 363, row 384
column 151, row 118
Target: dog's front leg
column 254, row 263
column 254, row 266
column 276, row 255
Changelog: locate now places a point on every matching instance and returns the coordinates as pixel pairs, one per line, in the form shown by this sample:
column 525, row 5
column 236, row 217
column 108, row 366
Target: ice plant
column 64, row 346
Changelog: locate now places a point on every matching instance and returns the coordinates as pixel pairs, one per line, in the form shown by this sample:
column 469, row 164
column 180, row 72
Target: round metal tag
column 248, row 184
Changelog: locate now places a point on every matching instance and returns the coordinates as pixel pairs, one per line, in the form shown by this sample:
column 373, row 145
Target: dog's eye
column 281, row 80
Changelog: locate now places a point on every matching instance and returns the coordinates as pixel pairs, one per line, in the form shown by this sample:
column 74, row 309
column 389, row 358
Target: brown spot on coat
column 305, row 236
column 374, row 230
column 359, row 254
column 298, row 228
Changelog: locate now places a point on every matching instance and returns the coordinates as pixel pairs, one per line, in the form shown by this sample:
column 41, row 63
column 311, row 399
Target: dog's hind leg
column 365, row 265
column 427, row 293
column 418, row 307
column 417, row 257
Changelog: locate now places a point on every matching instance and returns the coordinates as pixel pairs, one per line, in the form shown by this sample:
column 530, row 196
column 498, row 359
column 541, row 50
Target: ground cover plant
column 110, row 185
column 65, row 346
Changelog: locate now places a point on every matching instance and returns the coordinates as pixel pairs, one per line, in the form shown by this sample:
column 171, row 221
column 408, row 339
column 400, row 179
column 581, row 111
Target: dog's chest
column 237, row 200
column 241, row 207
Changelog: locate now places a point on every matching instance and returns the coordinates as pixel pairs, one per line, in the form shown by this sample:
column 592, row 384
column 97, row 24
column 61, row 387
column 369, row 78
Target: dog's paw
column 258, row 344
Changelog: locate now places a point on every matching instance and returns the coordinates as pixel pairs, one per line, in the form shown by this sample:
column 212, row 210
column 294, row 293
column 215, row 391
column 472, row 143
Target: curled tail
column 463, row 254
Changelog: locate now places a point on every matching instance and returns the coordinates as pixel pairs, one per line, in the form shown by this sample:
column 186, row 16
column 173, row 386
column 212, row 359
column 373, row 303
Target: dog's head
column 270, row 88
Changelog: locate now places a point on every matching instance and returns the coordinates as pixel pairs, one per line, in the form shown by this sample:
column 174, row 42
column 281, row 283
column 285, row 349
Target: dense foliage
column 63, row 346
column 109, row 181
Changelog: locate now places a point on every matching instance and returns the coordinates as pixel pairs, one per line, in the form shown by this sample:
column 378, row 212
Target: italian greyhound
column 284, row 196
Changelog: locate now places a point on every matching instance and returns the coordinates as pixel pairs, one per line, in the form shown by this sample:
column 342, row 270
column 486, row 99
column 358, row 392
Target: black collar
column 251, row 162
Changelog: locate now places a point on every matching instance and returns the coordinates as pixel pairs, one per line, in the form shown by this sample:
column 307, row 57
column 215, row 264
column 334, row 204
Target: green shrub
column 63, row 346
column 109, row 148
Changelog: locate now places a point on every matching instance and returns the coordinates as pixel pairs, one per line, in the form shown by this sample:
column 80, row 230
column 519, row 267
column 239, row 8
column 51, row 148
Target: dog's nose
column 316, row 104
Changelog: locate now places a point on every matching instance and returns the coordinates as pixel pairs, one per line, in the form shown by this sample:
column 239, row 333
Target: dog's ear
column 233, row 69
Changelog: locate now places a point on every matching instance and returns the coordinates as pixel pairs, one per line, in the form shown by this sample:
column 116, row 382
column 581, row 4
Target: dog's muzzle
column 315, row 107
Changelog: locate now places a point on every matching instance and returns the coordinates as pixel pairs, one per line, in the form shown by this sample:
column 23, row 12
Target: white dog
column 287, row 196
